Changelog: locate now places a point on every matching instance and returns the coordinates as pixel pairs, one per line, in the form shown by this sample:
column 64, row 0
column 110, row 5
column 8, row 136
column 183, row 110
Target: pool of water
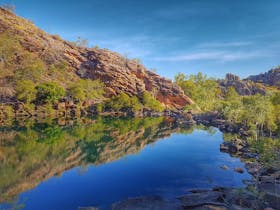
column 165, row 165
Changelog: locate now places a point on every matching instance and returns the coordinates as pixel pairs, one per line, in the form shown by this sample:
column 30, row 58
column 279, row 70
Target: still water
column 96, row 162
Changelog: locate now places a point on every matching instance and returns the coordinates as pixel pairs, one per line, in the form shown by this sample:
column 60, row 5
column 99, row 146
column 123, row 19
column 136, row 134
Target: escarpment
column 118, row 73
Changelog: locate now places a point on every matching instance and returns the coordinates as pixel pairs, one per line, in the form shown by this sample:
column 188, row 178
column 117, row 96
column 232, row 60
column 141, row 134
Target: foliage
column 87, row 89
column 25, row 91
column 123, row 102
column 256, row 113
column 150, row 102
column 99, row 107
column 49, row 92
column 203, row 90
column 267, row 148
column 31, row 68
column 135, row 105
column 8, row 46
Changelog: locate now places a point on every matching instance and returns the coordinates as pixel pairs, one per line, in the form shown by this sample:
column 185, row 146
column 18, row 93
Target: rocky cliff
column 117, row 72
column 270, row 78
column 242, row 87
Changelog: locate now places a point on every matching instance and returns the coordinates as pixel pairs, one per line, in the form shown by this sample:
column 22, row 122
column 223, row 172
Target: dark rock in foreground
column 147, row 203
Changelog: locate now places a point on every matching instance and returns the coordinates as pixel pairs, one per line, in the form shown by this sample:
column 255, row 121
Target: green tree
column 135, row 105
column 203, row 90
column 120, row 102
column 231, row 94
column 49, row 92
column 87, row 89
column 77, row 93
column 150, row 102
column 32, row 69
column 124, row 102
column 26, row 91
column 258, row 113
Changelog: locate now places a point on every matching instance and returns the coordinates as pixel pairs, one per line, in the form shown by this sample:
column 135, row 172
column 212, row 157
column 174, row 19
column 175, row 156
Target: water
column 96, row 162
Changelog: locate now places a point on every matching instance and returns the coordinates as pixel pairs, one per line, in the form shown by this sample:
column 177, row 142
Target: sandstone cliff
column 117, row 72
column 242, row 87
column 270, row 78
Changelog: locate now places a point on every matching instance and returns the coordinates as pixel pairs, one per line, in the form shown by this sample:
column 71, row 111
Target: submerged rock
column 239, row 170
column 147, row 203
column 202, row 198
column 224, row 167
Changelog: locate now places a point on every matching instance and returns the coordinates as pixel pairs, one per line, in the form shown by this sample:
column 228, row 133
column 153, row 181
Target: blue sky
column 214, row 37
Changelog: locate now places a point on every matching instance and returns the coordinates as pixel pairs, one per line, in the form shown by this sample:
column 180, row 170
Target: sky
column 188, row 36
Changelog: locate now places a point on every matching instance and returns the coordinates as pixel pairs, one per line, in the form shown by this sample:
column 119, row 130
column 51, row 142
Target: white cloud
column 224, row 44
column 222, row 56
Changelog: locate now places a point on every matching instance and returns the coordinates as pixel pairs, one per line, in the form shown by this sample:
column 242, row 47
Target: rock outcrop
column 242, row 87
column 270, row 78
column 117, row 72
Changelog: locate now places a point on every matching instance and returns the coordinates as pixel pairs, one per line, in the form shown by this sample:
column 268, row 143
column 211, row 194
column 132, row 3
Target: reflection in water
column 31, row 152
column 34, row 151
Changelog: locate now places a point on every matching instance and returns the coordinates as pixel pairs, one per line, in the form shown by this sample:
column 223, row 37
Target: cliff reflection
column 33, row 151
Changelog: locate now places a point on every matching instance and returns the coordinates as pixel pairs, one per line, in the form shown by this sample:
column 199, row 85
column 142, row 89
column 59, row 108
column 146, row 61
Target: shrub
column 150, row 102
column 33, row 68
column 49, row 92
column 87, row 89
column 25, row 91
column 135, row 105
column 99, row 107
column 120, row 102
column 123, row 102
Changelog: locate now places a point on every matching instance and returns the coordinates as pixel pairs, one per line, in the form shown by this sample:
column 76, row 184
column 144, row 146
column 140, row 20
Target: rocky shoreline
column 261, row 192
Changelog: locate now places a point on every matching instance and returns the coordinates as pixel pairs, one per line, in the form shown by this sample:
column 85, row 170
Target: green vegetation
column 87, row 89
column 123, row 102
column 258, row 114
column 25, row 91
column 49, row 92
column 267, row 148
column 204, row 91
column 150, row 102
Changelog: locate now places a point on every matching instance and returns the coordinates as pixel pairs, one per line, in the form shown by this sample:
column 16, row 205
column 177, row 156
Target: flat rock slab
column 272, row 193
column 147, row 203
column 203, row 198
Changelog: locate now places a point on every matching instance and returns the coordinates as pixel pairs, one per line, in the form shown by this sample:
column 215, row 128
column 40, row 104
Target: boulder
column 239, row 170
column 254, row 168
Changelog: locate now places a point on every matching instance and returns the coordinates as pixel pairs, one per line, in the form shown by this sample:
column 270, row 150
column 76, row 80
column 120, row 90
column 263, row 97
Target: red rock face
column 117, row 72
column 120, row 74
